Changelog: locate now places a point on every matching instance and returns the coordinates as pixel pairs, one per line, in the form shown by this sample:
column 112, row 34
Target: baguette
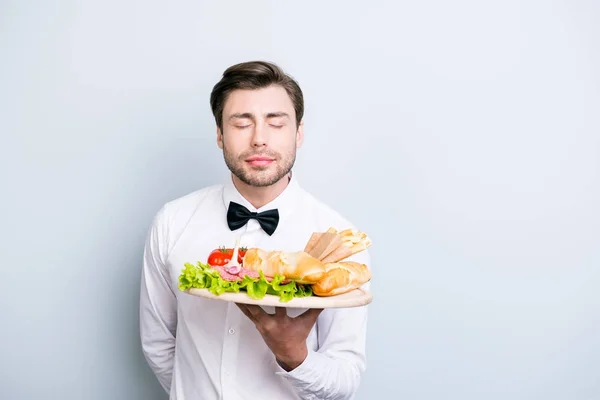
column 352, row 242
column 342, row 277
column 338, row 254
column 298, row 266
column 356, row 240
column 315, row 238
column 326, row 244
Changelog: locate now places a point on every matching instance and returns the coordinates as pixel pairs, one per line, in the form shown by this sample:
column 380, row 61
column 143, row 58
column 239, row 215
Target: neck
column 259, row 196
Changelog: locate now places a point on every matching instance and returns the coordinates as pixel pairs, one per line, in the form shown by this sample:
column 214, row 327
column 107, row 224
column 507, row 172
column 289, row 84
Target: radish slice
column 233, row 266
column 234, row 269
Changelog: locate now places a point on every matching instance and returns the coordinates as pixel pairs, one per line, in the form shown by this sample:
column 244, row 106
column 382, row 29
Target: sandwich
column 318, row 270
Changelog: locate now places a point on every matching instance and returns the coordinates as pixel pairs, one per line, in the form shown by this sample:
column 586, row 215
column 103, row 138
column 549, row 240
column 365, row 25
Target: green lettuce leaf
column 202, row 276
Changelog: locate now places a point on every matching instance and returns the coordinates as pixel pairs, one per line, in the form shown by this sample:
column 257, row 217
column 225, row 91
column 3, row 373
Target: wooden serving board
column 354, row 298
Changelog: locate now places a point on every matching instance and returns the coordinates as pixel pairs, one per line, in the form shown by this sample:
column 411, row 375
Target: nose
column 259, row 136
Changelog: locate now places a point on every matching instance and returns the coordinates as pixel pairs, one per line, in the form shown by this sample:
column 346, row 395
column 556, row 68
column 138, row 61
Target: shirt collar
column 284, row 202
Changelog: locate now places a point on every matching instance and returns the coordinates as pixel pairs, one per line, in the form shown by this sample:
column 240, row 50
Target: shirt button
column 231, row 331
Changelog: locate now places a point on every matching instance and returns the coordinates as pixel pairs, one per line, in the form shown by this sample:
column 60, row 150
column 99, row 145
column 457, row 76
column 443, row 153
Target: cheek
column 285, row 140
column 233, row 144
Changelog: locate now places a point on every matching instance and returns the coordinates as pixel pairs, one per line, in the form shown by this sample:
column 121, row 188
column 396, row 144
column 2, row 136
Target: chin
column 261, row 178
column 260, row 181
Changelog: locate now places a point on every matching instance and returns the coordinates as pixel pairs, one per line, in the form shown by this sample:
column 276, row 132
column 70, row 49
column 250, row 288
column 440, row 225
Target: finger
column 280, row 312
column 258, row 314
column 311, row 315
column 246, row 312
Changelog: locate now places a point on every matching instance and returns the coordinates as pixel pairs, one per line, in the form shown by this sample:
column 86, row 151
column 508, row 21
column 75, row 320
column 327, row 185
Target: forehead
column 259, row 101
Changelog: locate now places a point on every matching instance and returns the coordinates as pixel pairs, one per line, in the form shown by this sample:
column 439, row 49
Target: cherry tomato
column 241, row 254
column 222, row 255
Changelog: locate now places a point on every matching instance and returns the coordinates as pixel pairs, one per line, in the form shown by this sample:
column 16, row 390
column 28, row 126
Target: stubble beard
column 260, row 176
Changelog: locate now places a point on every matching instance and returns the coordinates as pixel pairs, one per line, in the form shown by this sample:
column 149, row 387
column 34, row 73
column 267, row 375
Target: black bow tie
column 238, row 216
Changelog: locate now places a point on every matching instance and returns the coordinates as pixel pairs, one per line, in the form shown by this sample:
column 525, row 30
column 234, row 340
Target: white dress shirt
column 204, row 349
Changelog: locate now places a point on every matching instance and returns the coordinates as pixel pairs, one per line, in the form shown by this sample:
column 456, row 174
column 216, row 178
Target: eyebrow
column 277, row 114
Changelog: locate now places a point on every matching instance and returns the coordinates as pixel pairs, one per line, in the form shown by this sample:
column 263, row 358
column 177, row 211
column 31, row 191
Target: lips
column 259, row 161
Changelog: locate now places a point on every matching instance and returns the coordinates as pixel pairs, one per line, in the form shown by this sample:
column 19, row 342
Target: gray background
column 463, row 136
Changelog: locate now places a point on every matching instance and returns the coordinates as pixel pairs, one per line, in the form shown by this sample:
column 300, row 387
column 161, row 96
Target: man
column 209, row 349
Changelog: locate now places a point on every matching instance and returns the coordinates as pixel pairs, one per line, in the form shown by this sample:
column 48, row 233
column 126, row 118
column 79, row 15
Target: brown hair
column 254, row 75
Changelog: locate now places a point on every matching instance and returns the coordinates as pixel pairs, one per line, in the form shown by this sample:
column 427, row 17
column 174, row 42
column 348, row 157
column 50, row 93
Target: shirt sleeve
column 158, row 309
column 334, row 370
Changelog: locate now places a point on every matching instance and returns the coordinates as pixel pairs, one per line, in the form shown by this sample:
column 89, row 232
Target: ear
column 300, row 135
column 219, row 138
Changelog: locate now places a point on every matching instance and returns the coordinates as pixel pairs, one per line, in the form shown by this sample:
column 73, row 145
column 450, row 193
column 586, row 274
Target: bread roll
column 342, row 277
column 298, row 266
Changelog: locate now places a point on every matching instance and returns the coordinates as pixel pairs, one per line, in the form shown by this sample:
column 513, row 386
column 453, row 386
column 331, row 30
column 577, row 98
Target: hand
column 285, row 336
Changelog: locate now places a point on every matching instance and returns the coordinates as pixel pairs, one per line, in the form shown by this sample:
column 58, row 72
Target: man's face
column 260, row 136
